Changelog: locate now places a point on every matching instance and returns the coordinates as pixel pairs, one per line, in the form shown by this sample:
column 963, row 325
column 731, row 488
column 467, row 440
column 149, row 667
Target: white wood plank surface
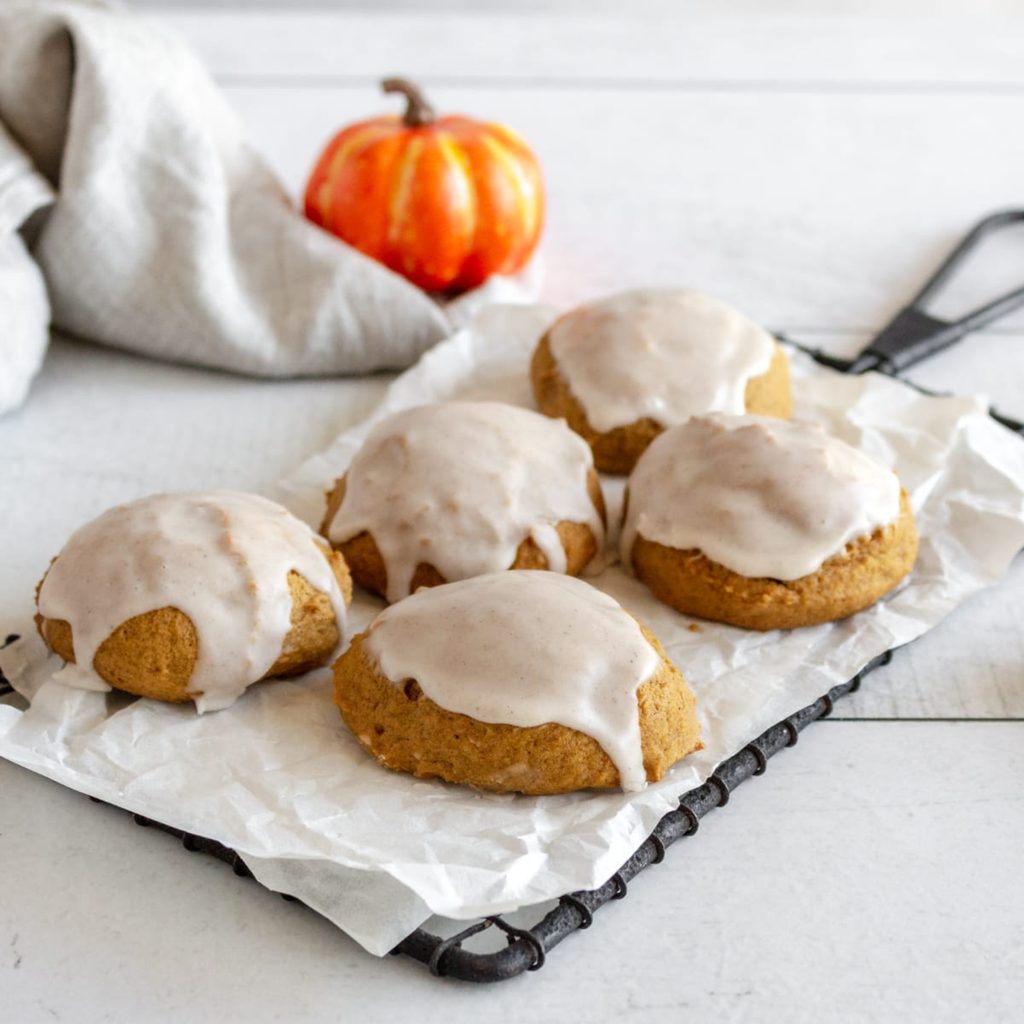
column 930, row 47
column 737, row 193
column 809, row 162
column 856, row 881
column 198, row 429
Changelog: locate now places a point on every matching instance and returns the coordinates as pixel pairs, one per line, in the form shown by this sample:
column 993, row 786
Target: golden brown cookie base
column 404, row 729
column 617, row 450
column 366, row 563
column 153, row 655
column 848, row 582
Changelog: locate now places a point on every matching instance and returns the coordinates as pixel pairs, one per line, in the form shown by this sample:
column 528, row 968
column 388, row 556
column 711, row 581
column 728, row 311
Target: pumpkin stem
column 418, row 112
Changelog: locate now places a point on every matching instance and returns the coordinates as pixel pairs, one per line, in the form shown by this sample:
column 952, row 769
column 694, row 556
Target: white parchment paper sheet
column 279, row 778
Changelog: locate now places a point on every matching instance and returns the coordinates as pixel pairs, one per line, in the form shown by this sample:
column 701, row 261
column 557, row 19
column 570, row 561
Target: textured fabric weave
column 159, row 229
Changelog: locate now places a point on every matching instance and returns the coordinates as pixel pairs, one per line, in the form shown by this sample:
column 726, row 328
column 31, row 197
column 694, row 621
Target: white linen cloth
column 158, row 228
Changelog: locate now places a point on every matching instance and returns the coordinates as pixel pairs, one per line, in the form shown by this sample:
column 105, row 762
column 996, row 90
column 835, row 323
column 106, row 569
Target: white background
column 810, row 163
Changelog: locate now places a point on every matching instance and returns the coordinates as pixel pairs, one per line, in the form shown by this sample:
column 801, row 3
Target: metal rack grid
column 527, row 948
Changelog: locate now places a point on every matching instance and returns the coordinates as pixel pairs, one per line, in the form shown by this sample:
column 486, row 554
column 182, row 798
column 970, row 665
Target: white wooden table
column 809, row 166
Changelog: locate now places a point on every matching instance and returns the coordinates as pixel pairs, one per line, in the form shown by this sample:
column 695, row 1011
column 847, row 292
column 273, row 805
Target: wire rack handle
column 913, row 334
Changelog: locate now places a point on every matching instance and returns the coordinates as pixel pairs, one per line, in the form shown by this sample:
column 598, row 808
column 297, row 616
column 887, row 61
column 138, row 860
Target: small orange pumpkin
column 446, row 202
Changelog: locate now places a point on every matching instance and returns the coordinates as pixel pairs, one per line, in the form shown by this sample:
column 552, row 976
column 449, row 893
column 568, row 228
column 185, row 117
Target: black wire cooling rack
column 527, row 948
column 912, row 335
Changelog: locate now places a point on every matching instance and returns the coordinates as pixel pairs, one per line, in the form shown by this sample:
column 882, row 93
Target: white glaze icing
column 761, row 496
column 660, row 353
column 221, row 557
column 461, row 485
column 524, row 648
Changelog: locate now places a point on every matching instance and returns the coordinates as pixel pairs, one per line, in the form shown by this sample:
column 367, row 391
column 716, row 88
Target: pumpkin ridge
column 445, row 201
column 524, row 188
column 401, row 193
column 509, row 136
column 362, row 136
column 457, row 159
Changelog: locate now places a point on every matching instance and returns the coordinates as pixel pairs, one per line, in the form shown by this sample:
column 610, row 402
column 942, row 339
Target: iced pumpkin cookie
column 192, row 597
column 528, row 682
column 765, row 524
column 623, row 369
column 448, row 491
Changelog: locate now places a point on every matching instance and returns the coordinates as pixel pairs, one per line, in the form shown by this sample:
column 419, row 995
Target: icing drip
column 658, row 353
column 524, row 648
column 761, row 496
column 221, row 557
column 461, row 485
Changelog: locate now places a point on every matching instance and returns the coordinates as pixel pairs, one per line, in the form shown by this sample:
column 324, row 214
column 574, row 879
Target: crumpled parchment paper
column 279, row 778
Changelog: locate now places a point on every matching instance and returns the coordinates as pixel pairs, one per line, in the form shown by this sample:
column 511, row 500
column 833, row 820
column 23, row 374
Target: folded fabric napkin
column 127, row 185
